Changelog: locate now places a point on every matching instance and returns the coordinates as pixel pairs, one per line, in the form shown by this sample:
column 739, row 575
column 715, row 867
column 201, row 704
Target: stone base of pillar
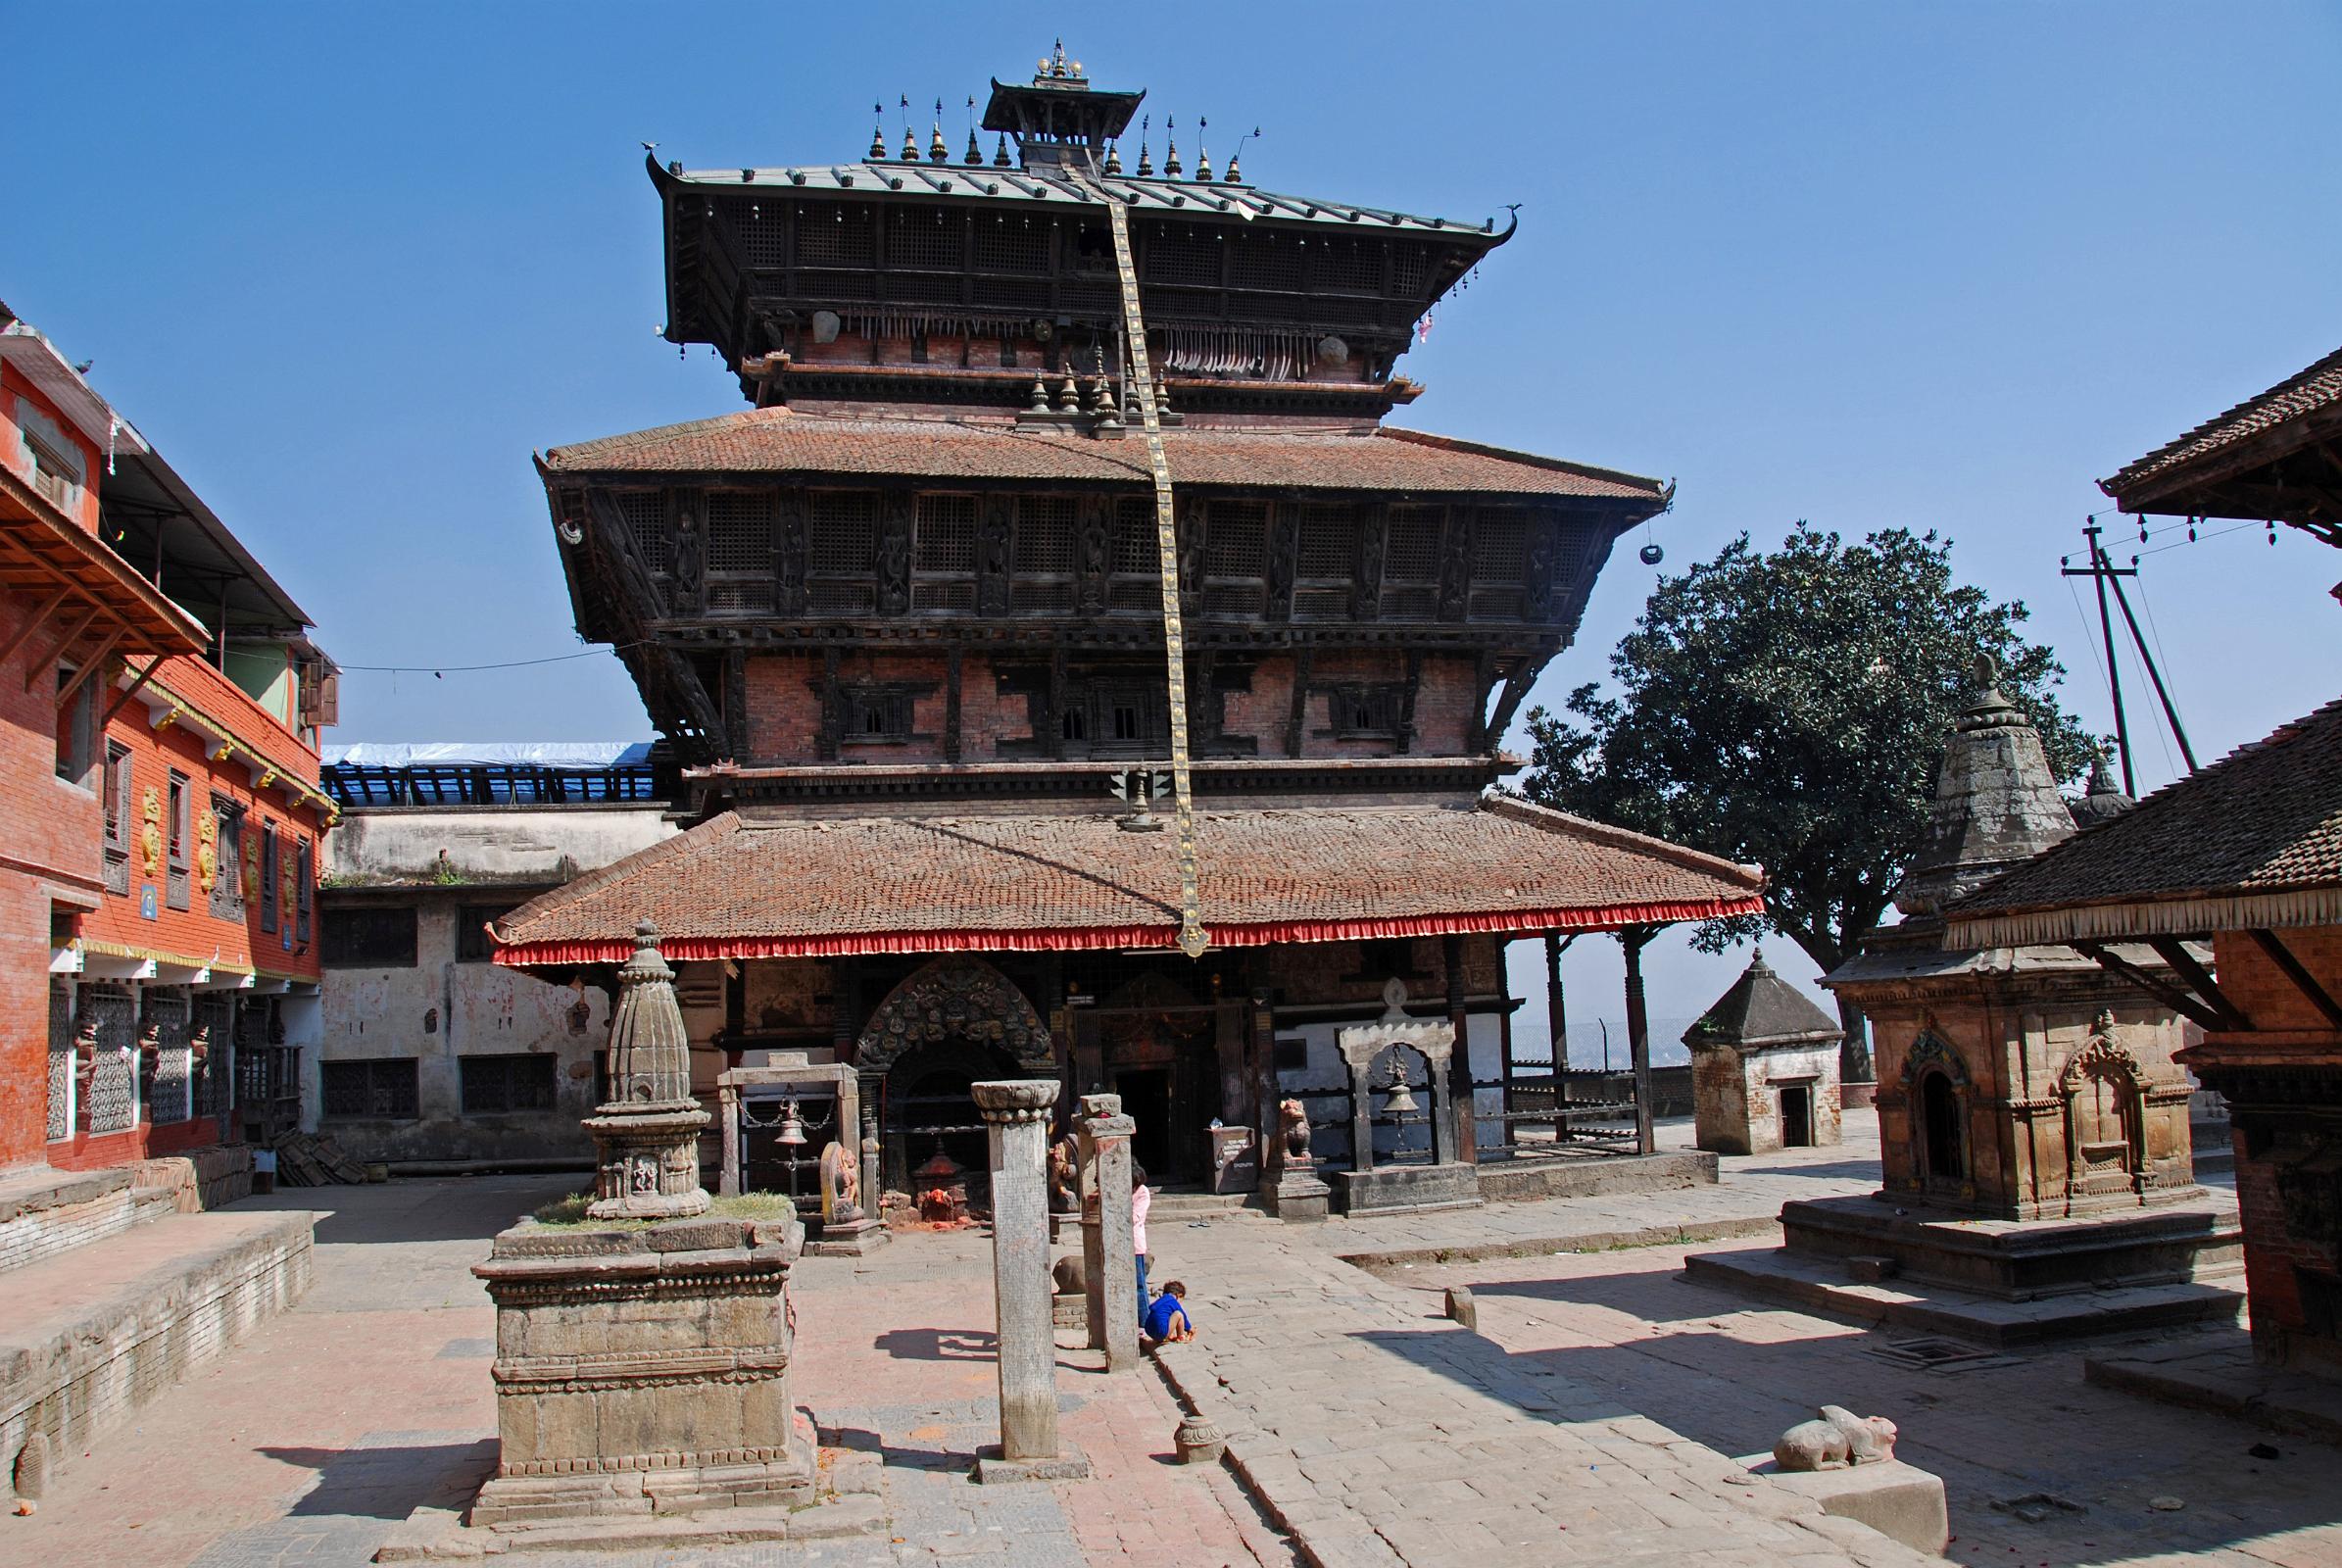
column 1064, row 1229
column 1407, row 1189
column 1298, row 1195
column 992, row 1470
column 643, row 1372
column 849, row 1239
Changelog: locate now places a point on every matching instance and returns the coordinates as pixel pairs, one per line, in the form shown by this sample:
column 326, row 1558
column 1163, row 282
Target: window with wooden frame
column 178, row 830
column 841, row 552
column 1411, row 563
column 1327, row 564
column 1366, row 711
column 942, row 557
column 1500, row 563
column 1043, row 582
column 1116, row 718
column 1134, row 585
column 359, row 937
column 1236, row 555
column 471, row 930
column 505, row 1083
column 382, row 1089
column 269, row 863
column 120, row 811
column 876, row 715
column 226, row 896
column 305, row 888
column 740, row 563
column 77, row 728
column 58, row 470
column 650, row 529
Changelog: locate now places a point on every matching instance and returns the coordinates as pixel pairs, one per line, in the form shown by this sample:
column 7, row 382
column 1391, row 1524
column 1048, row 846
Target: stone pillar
column 1106, row 1244
column 647, row 1135
column 873, row 1195
column 728, row 1098
column 1361, row 1111
column 1016, row 1111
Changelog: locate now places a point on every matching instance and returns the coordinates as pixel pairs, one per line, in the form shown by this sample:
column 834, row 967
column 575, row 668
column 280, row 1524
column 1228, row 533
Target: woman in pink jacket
column 1141, row 1199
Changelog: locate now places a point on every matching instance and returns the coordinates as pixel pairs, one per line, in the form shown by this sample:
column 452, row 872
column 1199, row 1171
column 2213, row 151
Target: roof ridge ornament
column 878, row 134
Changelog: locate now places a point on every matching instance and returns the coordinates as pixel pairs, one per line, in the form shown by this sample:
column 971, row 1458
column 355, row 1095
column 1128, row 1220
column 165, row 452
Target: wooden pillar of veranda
column 1631, row 940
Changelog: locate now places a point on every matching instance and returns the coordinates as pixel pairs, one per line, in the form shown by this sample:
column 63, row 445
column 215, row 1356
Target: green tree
column 1789, row 708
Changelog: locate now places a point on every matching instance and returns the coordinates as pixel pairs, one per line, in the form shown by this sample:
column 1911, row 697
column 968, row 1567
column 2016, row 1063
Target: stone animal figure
column 1296, row 1119
column 1839, row 1438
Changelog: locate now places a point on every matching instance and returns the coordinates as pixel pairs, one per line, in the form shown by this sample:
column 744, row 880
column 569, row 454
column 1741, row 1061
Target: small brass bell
column 1402, row 1101
column 793, row 1125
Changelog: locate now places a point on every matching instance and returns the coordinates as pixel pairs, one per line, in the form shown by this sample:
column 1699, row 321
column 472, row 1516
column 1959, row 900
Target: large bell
column 1401, row 1098
column 793, row 1124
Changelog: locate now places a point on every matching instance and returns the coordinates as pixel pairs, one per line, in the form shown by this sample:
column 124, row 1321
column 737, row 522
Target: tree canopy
column 1789, row 708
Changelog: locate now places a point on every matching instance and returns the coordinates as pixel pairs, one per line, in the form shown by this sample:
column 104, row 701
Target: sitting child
column 1167, row 1319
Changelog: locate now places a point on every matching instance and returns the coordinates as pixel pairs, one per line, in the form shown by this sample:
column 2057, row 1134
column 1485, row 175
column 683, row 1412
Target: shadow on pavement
column 938, row 1345
column 391, row 1482
column 425, row 1209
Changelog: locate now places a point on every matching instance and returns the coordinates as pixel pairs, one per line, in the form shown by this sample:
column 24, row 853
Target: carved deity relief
column 792, row 563
column 1456, row 566
column 1284, row 544
column 1096, row 546
column 1544, row 557
column 894, row 556
column 995, row 541
column 1187, row 529
column 1366, row 597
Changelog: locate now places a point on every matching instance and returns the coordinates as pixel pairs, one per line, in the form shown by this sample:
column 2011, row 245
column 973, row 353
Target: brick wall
column 2260, row 987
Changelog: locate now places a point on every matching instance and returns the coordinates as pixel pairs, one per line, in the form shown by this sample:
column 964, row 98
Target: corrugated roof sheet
column 781, row 440
column 988, row 183
column 2314, row 388
column 2265, row 819
column 731, row 888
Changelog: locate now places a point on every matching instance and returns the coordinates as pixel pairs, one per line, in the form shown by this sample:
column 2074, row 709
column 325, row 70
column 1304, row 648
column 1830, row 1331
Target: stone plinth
column 1899, row 1500
column 1401, row 1189
column 1016, row 1115
column 2023, row 1259
column 643, row 1372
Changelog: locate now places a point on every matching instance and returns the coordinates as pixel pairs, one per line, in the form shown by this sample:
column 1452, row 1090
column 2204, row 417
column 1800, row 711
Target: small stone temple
column 1764, row 1067
column 2033, row 1123
column 938, row 642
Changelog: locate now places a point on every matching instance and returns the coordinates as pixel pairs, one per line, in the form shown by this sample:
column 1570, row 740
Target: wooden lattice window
column 1045, row 555
column 647, row 525
column 1366, row 711
column 1011, row 245
column 876, row 715
column 227, row 866
column 1411, row 563
column 942, row 555
column 1410, row 269
column 841, row 552
column 1236, row 550
column 382, row 1089
column 1182, row 257
column 1116, row 718
column 120, row 812
column 1500, row 563
column 927, row 239
column 1349, row 265
column 269, row 870
column 1266, row 261
column 1137, row 582
column 757, row 230
column 740, row 554
column 1327, row 564
column 836, row 235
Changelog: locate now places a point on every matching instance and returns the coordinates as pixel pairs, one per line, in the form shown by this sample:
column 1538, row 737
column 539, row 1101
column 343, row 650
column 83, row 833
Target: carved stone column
column 647, row 1135
column 1106, row 1243
column 1016, row 1114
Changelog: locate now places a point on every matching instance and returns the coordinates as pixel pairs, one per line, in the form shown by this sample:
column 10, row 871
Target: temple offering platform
column 2002, row 1282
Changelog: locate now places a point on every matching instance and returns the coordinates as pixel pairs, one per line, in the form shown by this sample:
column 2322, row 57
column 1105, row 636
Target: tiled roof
column 731, row 888
column 780, row 440
column 2314, row 388
column 1762, row 1009
column 1021, row 187
column 2254, row 832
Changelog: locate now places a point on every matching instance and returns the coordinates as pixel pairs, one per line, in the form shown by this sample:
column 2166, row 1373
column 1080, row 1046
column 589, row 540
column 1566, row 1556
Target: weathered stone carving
column 647, row 1134
column 1016, row 1115
column 955, row 997
column 1293, row 1120
column 1839, row 1438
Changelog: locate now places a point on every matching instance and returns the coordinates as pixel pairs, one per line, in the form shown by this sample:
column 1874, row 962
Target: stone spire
column 1762, row 1009
column 647, row 1134
column 1996, row 801
column 2101, row 801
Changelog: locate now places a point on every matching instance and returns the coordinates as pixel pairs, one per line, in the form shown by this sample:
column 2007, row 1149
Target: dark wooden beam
column 48, row 661
column 2173, row 951
column 2172, row 997
column 90, row 666
column 1299, row 716
column 34, row 622
column 2303, row 980
column 951, row 705
column 1412, row 689
column 1517, row 682
column 121, row 702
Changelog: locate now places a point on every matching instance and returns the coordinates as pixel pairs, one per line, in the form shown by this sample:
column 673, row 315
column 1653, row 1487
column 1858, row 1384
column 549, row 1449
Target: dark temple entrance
column 1178, row 1061
column 1797, row 1116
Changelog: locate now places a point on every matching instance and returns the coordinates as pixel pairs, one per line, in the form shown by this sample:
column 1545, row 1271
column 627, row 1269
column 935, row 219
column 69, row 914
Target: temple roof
column 1996, row 801
column 2301, row 406
column 830, row 886
column 2253, row 840
column 1762, row 1009
column 780, row 440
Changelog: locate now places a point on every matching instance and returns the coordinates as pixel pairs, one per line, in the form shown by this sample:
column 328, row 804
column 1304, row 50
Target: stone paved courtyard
column 1590, row 1418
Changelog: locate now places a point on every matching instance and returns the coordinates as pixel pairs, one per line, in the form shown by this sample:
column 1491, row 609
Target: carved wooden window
column 1115, row 719
column 383, row 1089
column 228, row 865
column 876, row 715
column 757, row 230
column 1328, row 563
column 928, row 240
column 740, row 556
column 841, row 552
column 1044, row 556
column 944, row 553
column 268, row 874
column 1006, row 244
column 1410, row 269
column 647, row 525
column 180, row 827
column 1500, row 563
column 834, row 235
column 1136, row 583
column 1411, row 563
column 305, row 888
column 1346, row 265
column 120, row 812
column 1366, row 711
column 1236, row 550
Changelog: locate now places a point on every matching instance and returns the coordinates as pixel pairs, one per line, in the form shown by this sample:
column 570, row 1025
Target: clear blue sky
column 1865, row 264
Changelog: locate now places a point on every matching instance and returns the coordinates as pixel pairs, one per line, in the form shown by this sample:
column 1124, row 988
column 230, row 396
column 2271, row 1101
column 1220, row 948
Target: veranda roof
column 733, row 888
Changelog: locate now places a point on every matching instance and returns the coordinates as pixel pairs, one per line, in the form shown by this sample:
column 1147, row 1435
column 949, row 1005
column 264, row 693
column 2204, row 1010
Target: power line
column 467, row 669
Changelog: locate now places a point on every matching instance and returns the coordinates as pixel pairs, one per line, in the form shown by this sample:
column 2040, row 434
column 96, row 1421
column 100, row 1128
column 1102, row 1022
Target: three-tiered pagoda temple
column 921, row 619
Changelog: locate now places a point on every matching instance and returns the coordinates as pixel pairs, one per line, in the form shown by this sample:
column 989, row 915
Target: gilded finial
column 1202, row 153
column 910, row 145
column 999, row 152
column 975, row 155
column 1146, row 163
column 1170, row 148
column 937, row 152
column 1113, row 158
column 878, row 133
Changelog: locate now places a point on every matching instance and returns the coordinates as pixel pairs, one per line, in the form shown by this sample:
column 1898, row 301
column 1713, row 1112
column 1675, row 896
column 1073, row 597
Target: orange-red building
column 159, row 840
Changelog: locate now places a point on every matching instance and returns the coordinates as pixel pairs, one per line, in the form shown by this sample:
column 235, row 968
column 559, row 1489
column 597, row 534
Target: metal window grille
column 502, row 1084
column 169, row 1083
column 924, row 238
column 757, row 230
column 269, row 851
column 61, row 1062
column 836, row 235
column 383, row 1089
column 113, row 1077
column 645, row 512
column 1011, row 245
column 1354, row 267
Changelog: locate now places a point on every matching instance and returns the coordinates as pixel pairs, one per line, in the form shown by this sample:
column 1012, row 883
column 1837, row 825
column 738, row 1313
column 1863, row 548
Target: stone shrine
column 2033, row 1126
column 1451, row 1180
column 1764, row 1069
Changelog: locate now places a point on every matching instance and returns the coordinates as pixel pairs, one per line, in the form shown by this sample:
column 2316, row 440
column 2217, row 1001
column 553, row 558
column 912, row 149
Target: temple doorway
column 1146, row 1101
column 926, row 1110
column 1940, row 1121
column 1178, row 1060
column 1797, row 1116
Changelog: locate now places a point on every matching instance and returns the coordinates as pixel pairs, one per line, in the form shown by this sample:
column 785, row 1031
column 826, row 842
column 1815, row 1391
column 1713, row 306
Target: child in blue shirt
column 1167, row 1320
